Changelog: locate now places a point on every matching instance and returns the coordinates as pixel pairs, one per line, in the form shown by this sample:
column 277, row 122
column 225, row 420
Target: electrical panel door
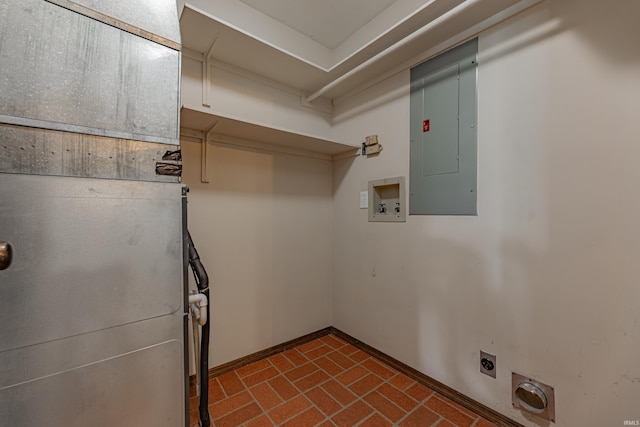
column 443, row 134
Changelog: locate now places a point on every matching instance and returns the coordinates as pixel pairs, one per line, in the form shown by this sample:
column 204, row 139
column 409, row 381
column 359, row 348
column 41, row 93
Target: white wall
column 262, row 227
column 547, row 275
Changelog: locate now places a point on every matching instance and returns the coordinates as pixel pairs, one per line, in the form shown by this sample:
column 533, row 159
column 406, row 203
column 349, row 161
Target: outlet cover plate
column 484, row 367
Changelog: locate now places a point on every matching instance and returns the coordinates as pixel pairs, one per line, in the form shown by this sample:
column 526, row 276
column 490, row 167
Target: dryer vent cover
column 533, row 396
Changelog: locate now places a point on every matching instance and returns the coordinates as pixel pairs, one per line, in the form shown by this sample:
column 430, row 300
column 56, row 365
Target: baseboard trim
column 263, row 354
column 446, row 391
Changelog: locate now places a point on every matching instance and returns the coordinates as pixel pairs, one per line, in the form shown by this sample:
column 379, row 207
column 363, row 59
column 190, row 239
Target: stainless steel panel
column 62, row 70
column 141, row 388
column 50, row 358
column 44, row 152
column 159, row 17
column 89, row 254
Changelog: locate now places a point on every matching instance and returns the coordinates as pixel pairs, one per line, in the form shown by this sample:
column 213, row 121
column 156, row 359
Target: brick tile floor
column 327, row 382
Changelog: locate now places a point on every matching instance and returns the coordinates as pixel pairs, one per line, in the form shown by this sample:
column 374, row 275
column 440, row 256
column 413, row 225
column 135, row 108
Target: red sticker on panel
column 425, row 126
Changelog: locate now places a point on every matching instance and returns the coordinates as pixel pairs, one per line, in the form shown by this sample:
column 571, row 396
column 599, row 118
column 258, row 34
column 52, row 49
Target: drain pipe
column 202, row 282
column 199, row 300
column 195, row 314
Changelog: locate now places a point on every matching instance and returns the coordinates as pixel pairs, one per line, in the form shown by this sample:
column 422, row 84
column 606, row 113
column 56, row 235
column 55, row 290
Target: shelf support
column 204, row 158
column 203, row 165
column 207, row 73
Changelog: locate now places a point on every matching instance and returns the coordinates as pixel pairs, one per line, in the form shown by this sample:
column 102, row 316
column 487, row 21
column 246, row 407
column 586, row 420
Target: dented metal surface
column 45, row 152
column 62, row 70
column 92, row 274
column 156, row 17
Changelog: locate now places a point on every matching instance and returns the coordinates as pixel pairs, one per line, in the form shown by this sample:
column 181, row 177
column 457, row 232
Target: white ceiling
column 329, row 22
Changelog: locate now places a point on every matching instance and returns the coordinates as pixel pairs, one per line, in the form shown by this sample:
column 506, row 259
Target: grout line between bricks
column 395, row 373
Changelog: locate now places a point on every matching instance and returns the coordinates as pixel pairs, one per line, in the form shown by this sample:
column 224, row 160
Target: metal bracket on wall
column 204, row 178
column 203, row 166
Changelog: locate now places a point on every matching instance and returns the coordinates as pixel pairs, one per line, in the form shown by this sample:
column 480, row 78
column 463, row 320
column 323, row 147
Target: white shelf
column 231, row 130
column 219, row 36
column 433, row 28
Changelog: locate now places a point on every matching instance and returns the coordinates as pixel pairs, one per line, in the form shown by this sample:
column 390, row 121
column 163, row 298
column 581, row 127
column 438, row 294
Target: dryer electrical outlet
column 488, row 364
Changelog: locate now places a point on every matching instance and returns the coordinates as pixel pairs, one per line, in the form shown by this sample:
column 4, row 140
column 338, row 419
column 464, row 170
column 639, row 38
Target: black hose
column 202, row 281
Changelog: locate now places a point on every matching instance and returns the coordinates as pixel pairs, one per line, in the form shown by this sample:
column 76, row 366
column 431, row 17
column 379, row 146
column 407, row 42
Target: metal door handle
column 6, row 254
